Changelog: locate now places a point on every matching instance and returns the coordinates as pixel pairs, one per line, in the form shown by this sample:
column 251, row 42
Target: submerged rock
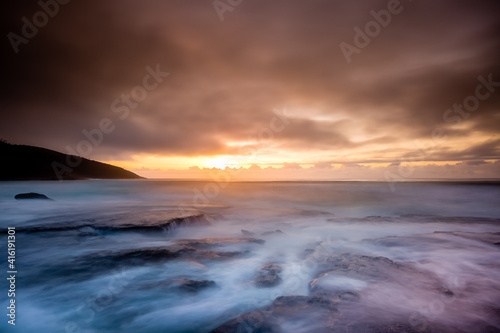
column 359, row 266
column 182, row 285
column 92, row 265
column 286, row 314
column 251, row 322
column 200, row 242
column 193, row 286
column 348, row 296
column 247, row 233
column 268, row 276
column 275, row 232
column 137, row 257
column 31, row 195
column 313, row 314
column 334, row 287
column 485, row 237
column 355, row 272
column 162, row 224
column 446, row 292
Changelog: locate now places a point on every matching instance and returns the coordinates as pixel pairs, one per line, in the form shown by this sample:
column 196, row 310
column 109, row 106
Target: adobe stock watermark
column 222, row 178
column 223, row 6
column 454, row 115
column 40, row 19
column 372, row 29
column 122, row 107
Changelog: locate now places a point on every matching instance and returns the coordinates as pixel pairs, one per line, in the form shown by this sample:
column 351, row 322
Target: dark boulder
column 31, row 195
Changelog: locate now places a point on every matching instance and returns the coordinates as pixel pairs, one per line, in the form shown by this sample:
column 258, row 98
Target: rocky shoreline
column 385, row 284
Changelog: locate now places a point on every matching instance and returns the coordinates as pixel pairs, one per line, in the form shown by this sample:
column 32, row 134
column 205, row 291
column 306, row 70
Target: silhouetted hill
column 20, row 162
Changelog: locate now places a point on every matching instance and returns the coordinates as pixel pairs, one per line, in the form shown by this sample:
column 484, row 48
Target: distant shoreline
column 29, row 163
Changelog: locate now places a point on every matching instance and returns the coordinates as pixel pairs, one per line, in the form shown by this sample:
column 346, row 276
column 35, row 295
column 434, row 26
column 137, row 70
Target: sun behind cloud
column 220, row 162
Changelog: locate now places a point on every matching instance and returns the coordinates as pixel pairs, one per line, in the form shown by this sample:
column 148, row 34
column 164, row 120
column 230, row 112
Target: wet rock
column 201, row 242
column 96, row 264
column 308, row 251
column 160, row 254
column 268, row 276
column 358, row 266
column 275, row 232
column 251, row 322
column 286, row 314
column 310, row 313
column 486, row 237
column 311, row 212
column 182, row 285
column 385, row 328
column 348, row 296
column 353, row 278
column 330, row 286
column 89, row 266
column 31, row 195
column 333, row 286
column 155, row 225
column 247, row 233
column 446, row 292
column 193, row 286
column 217, row 255
column 288, row 304
column 187, row 221
column 87, row 232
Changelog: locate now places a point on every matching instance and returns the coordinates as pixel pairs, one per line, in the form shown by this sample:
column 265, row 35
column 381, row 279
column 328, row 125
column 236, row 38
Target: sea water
column 91, row 259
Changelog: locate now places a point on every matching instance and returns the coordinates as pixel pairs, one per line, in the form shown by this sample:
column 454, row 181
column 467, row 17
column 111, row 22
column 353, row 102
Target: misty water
column 179, row 256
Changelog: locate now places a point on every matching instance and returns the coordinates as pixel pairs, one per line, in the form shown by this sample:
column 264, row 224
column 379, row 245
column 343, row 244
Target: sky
column 262, row 88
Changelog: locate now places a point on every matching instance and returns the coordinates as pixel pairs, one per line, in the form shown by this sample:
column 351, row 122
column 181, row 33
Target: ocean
column 202, row 256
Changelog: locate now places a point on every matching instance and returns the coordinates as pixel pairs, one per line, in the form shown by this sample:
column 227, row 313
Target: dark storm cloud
column 227, row 77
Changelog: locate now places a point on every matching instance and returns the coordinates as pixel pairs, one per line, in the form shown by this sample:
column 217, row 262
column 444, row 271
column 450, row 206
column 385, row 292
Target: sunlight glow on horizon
column 224, row 162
